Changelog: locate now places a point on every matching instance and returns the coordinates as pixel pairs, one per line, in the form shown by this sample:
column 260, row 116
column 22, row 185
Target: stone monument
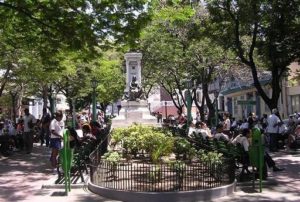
column 134, row 109
column 133, row 69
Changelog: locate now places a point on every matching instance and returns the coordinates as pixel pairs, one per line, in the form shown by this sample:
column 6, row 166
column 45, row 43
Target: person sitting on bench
column 243, row 140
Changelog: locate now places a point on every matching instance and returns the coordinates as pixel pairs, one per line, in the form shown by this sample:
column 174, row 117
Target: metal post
column 73, row 113
column 166, row 110
column 94, row 85
column 189, row 107
column 67, row 161
column 189, row 102
column 53, row 106
column 94, row 104
column 217, row 114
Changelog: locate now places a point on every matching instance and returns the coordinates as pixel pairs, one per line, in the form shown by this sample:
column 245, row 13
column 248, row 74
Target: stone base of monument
column 134, row 112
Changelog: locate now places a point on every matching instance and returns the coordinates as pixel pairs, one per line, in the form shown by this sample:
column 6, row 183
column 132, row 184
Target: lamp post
column 166, row 110
column 189, row 101
column 94, row 83
column 53, row 106
column 73, row 113
column 216, row 107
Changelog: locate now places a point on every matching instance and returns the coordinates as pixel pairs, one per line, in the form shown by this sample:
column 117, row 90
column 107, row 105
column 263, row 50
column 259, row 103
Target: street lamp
column 189, row 100
column 94, row 83
column 166, row 110
column 216, row 94
column 53, row 106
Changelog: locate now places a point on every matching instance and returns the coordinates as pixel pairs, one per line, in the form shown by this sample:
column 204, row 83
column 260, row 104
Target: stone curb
column 182, row 196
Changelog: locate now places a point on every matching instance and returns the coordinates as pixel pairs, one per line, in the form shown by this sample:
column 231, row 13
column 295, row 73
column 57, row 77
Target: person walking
column 119, row 106
column 29, row 121
column 57, row 126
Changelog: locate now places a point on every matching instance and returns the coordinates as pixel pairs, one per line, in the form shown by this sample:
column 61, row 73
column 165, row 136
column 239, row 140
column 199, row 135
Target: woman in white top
column 56, row 128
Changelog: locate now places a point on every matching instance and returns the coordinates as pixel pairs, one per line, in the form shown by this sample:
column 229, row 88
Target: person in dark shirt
column 45, row 132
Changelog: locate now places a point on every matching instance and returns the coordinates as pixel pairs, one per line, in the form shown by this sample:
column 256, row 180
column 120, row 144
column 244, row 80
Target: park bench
column 80, row 160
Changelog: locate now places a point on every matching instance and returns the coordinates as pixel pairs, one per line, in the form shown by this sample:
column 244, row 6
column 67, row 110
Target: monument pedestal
column 134, row 112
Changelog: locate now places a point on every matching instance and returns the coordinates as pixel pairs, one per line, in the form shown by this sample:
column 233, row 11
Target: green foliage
column 182, row 146
column 138, row 138
column 107, row 70
column 178, row 166
column 112, row 157
column 175, row 47
column 261, row 33
column 155, row 174
column 56, row 42
column 212, row 157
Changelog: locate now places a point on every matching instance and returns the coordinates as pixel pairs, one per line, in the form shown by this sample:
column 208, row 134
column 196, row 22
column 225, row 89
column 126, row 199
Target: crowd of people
column 276, row 133
column 48, row 131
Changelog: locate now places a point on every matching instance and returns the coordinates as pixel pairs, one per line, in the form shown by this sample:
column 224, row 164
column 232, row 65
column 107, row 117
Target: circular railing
column 163, row 177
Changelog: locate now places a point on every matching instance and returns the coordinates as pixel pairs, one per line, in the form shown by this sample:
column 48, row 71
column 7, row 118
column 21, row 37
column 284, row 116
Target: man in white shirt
column 273, row 129
column 29, row 121
column 57, row 126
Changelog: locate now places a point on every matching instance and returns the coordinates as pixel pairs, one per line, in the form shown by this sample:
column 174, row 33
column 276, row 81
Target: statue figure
column 135, row 90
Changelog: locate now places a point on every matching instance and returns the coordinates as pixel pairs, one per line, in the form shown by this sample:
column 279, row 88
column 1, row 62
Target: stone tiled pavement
column 22, row 177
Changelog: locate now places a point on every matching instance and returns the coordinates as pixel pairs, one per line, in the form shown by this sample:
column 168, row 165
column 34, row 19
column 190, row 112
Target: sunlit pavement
column 280, row 186
column 22, row 177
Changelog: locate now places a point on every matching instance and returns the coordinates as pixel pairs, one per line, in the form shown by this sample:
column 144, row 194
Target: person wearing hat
column 272, row 129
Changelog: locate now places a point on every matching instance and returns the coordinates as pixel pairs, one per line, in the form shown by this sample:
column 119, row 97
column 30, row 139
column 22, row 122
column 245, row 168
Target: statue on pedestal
column 135, row 91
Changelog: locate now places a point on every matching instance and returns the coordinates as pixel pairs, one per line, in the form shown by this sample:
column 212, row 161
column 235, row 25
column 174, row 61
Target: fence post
column 256, row 153
column 67, row 161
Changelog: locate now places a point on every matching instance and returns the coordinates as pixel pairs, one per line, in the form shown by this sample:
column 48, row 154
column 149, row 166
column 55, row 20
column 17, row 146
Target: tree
column 76, row 23
column 44, row 29
column 210, row 67
column 263, row 34
column 164, row 43
column 175, row 47
column 111, row 80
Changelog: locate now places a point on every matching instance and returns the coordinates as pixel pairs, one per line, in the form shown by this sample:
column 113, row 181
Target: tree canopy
column 263, row 34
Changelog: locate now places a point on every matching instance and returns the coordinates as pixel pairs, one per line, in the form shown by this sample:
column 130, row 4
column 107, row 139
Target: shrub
column 112, row 157
column 182, row 147
column 138, row 138
column 212, row 157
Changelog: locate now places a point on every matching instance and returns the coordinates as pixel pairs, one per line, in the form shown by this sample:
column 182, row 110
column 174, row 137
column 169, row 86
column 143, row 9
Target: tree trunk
column 45, row 96
column 176, row 103
column 19, row 101
column 199, row 107
column 275, row 85
column 209, row 103
column 13, row 105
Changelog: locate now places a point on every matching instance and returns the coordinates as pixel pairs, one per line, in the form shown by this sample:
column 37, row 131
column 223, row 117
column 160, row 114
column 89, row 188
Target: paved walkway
column 22, row 177
column 281, row 186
